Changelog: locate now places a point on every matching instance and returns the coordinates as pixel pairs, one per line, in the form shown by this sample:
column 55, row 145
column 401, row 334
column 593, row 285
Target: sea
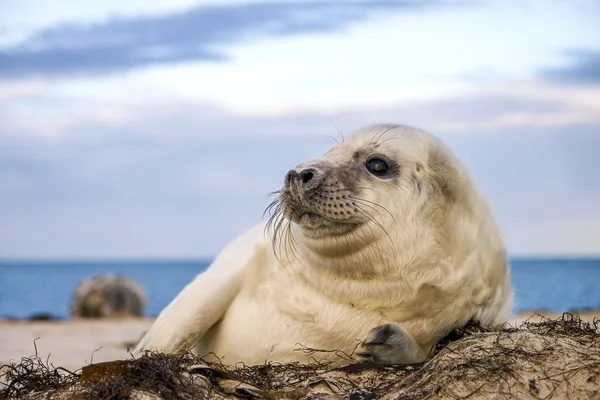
column 34, row 289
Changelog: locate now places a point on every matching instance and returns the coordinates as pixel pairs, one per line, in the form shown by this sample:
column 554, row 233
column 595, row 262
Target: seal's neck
column 368, row 253
column 351, row 256
column 366, row 264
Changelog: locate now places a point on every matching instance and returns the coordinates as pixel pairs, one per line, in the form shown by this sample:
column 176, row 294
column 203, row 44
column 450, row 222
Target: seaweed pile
column 545, row 359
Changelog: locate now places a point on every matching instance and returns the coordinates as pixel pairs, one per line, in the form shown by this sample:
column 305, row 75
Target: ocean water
column 30, row 288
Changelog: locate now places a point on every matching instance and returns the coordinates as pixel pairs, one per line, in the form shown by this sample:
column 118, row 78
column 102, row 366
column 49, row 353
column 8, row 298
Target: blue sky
column 157, row 129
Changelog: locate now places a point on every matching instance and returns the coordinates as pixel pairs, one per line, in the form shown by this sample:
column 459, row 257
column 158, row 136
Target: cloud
column 197, row 34
column 46, row 111
column 182, row 179
column 583, row 69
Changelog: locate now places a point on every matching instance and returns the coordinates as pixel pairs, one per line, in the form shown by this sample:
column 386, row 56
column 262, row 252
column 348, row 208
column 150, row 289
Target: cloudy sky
column 147, row 128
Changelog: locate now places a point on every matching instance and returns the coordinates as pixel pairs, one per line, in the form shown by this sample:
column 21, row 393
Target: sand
column 75, row 343
column 70, row 344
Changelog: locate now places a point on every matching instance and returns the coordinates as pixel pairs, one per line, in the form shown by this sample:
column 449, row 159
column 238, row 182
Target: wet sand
column 72, row 344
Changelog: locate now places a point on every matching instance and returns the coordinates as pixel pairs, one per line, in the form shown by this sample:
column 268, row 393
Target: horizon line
column 513, row 257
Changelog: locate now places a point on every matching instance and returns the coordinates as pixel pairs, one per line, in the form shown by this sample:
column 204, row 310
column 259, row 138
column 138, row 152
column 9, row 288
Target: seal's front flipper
column 203, row 301
column 389, row 344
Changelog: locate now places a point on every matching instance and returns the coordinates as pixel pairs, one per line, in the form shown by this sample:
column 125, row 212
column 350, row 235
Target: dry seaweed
column 34, row 375
column 161, row 374
column 546, row 358
column 156, row 373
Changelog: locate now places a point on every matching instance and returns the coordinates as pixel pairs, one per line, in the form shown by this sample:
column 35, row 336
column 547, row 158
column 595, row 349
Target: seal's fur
column 378, row 249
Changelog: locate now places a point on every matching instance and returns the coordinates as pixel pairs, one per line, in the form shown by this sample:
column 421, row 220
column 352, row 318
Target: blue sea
column 29, row 288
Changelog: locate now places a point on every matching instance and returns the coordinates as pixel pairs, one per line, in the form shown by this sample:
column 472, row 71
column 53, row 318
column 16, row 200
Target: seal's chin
column 310, row 219
column 307, row 219
column 317, row 226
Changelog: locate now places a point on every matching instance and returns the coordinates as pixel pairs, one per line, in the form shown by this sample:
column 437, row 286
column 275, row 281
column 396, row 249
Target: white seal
column 376, row 250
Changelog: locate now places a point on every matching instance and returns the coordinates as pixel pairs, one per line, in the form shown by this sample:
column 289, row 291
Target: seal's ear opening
column 443, row 173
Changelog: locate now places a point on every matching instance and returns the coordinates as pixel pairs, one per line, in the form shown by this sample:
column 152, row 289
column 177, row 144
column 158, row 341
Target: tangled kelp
column 550, row 359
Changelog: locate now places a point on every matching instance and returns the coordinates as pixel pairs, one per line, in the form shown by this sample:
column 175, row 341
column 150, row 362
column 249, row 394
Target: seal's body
column 376, row 251
column 108, row 296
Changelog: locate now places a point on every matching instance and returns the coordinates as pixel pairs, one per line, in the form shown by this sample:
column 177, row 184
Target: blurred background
column 140, row 137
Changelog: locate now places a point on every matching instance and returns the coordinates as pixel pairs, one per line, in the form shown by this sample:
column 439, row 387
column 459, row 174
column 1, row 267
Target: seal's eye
column 377, row 166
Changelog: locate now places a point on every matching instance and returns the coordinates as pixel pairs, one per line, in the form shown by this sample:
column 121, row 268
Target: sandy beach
column 72, row 344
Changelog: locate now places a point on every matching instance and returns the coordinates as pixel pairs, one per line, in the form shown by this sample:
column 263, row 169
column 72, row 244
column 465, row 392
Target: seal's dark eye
column 377, row 166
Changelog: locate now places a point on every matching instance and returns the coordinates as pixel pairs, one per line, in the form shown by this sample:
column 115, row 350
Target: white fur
column 429, row 272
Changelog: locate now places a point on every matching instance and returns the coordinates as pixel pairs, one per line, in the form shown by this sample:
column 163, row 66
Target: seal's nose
column 303, row 178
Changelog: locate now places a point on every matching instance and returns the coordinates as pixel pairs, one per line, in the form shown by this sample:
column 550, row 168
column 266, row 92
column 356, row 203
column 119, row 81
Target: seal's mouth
column 301, row 211
column 302, row 215
column 308, row 218
column 319, row 226
column 298, row 210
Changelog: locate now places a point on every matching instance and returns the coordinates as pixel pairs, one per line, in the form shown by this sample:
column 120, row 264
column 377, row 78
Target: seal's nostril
column 299, row 178
column 306, row 176
column 289, row 178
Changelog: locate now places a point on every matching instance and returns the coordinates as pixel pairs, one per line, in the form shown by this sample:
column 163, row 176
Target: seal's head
column 388, row 183
column 339, row 192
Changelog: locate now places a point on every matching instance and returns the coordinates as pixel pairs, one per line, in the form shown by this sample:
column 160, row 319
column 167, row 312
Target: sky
column 153, row 129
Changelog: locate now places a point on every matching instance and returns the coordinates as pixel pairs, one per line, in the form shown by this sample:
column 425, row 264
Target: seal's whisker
column 366, row 188
column 276, row 237
column 279, row 238
column 371, row 217
column 341, row 133
column 375, row 141
column 274, row 225
column 368, row 216
column 374, row 249
column 374, row 220
column 392, row 197
column 271, row 208
column 293, row 245
column 271, row 225
column 372, row 204
column 288, row 244
column 335, row 141
column 387, row 139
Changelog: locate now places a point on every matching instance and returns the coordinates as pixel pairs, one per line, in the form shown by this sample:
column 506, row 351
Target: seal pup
column 108, row 296
column 375, row 251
